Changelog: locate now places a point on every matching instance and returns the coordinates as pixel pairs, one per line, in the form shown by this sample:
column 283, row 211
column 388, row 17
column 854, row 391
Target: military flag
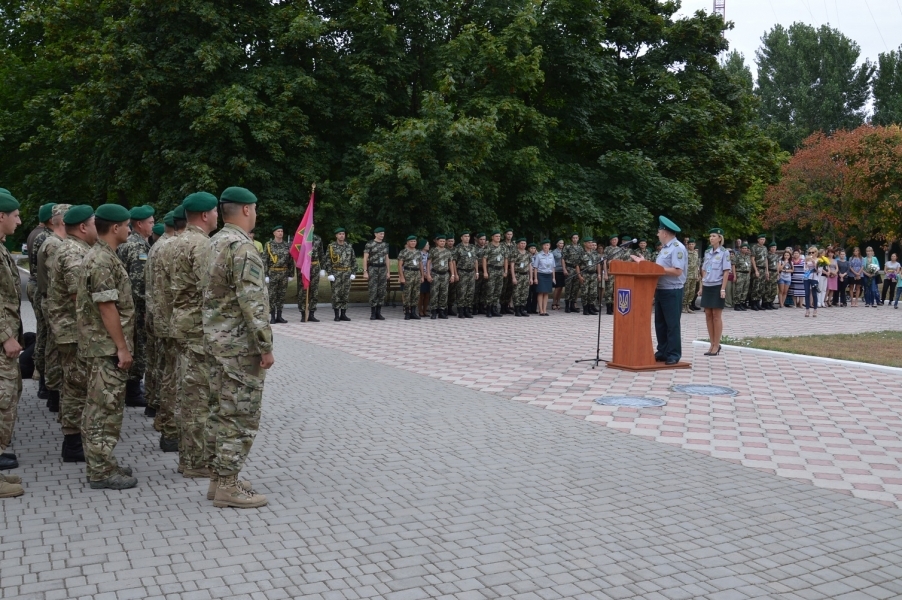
column 302, row 245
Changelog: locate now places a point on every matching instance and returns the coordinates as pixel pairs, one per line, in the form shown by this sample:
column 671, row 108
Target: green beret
column 277, row 227
column 411, row 237
column 115, row 213
column 78, row 214
column 643, row 240
column 531, row 245
column 772, row 245
column 339, row 230
column 691, row 241
column 199, row 202
column 762, row 235
column 158, row 229
column 5, row 191
column 45, row 212
column 178, row 213
column 588, row 239
column 744, row 245
column 668, row 225
column 139, row 213
column 495, row 232
column 169, row 219
column 574, row 233
column 508, row 230
column 421, row 244
column 439, row 236
column 520, row 239
column 480, row 235
column 238, row 195
column 379, row 230
column 623, row 236
column 716, row 230
column 8, row 203
column 465, row 232
column 546, row 241
column 613, row 237
column 449, row 235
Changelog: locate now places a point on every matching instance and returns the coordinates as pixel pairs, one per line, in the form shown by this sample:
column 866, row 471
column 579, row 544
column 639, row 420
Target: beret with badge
column 78, row 214
column 238, row 195
column 199, row 202
column 139, row 213
column 8, row 203
column 115, row 213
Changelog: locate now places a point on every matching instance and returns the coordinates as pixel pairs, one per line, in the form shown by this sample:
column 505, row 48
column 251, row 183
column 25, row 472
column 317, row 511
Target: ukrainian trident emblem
column 624, row 302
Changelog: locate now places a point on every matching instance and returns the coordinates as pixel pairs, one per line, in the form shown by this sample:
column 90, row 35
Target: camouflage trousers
column 758, row 286
column 411, row 294
column 341, row 289
column 236, row 400
column 741, row 288
column 165, row 421
column 53, row 376
column 466, row 289
column 609, row 290
column 278, row 285
column 589, row 289
column 571, row 286
column 772, row 289
column 102, row 421
column 493, row 286
column 507, row 290
column 40, row 344
column 452, row 293
column 10, row 392
column 195, row 449
column 377, row 285
column 479, row 294
column 439, row 291
column 152, row 375
column 314, row 290
column 690, row 292
column 139, row 367
column 74, row 394
column 521, row 289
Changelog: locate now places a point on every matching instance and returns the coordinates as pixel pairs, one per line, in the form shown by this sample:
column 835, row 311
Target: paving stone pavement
column 833, row 426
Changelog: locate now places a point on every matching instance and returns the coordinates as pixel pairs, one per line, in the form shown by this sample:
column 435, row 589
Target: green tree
column 809, row 80
column 888, row 89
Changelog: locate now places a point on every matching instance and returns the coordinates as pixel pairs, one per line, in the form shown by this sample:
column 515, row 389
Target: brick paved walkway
column 384, row 483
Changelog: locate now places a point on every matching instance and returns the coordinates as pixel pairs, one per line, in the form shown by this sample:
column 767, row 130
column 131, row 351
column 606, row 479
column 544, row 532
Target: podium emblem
column 624, row 302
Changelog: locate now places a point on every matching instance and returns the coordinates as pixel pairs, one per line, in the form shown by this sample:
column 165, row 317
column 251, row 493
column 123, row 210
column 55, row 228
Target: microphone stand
column 597, row 358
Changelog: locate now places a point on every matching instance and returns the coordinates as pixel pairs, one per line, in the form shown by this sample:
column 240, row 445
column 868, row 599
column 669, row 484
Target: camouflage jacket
column 759, row 253
column 103, row 279
column 411, row 259
column 64, row 277
column 571, row 255
column 10, row 298
column 522, row 262
column 692, row 266
column 340, row 257
column 148, row 280
column 46, row 252
column 495, row 256
column 611, row 253
column 236, row 301
column 772, row 263
column 439, row 261
column 190, row 262
column 377, row 253
column 464, row 257
column 276, row 256
column 510, row 249
column 133, row 254
column 588, row 263
column 40, row 234
column 742, row 262
column 479, row 253
column 161, row 287
column 647, row 254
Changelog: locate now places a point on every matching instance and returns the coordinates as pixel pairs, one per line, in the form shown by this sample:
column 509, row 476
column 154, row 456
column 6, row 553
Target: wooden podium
column 633, row 302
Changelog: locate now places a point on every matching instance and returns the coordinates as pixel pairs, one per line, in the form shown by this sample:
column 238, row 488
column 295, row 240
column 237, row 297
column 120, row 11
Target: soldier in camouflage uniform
column 310, row 296
column 773, row 276
column 690, row 289
column 507, row 288
column 105, row 290
column 153, row 379
column 520, row 269
column 570, row 258
column 133, row 253
column 742, row 262
column 645, row 252
column 35, row 239
column 376, row 271
column 279, row 271
column 438, row 272
column 190, row 264
column 410, row 275
column 465, row 271
column 166, row 420
column 341, row 266
column 238, row 338
column 46, row 255
column 588, row 270
column 481, row 287
column 11, row 335
column 759, row 274
column 65, row 274
column 611, row 253
column 452, row 278
column 494, row 266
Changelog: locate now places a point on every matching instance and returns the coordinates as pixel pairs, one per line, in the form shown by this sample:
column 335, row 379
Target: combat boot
column 495, row 311
column 379, row 316
column 523, row 310
column 488, row 312
column 586, row 310
column 8, row 461
column 169, row 444
column 117, row 481
column 199, row 473
column 54, row 401
column 372, row 313
column 127, row 471
column 337, row 317
column 72, row 448
column 9, row 489
column 150, row 412
column 230, row 494
column 343, row 316
column 134, row 394
column 413, row 314
column 442, row 314
column 10, row 478
column 214, row 483
column 279, row 318
column 406, row 313
column 468, row 314
column 272, row 317
column 566, row 306
column 754, row 305
column 312, row 318
column 461, row 313
column 433, row 315
column 42, row 388
column 592, row 310
column 451, row 312
column 610, row 309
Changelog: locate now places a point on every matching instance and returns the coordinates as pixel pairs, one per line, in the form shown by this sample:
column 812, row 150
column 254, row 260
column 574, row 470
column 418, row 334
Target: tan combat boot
column 10, row 478
column 11, row 490
column 200, row 473
column 214, row 483
column 229, row 493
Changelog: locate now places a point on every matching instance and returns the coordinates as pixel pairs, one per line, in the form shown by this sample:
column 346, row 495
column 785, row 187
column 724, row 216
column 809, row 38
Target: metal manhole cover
column 705, row 390
column 630, row 401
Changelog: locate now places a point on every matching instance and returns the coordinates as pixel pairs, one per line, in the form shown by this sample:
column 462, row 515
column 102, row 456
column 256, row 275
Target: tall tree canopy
column 417, row 115
column 810, row 80
column 888, row 89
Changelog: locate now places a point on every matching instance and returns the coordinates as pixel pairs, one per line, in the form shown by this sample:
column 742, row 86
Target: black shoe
column 150, row 412
column 312, row 318
column 272, row 317
column 488, row 313
column 736, row 307
column 279, row 318
column 566, row 306
column 523, row 312
column 406, row 313
column 72, row 448
column 592, row 309
column 496, row 312
column 169, row 444
column 451, row 312
column 372, row 313
column 433, row 314
column 8, row 461
column 379, row 316
column 659, row 358
column 337, row 318
column 505, row 310
column 43, row 392
column 343, row 316
column 53, row 402
column 468, row 314
column 586, row 309
column 609, row 309
column 671, row 361
column 413, row 314
column 461, row 313
column 134, row 394
column 442, row 314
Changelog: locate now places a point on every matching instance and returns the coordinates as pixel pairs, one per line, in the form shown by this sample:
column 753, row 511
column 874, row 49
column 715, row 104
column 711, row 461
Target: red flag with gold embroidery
column 302, row 245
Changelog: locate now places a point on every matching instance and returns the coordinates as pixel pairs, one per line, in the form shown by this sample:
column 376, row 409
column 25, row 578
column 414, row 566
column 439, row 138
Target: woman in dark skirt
column 714, row 288
column 543, row 272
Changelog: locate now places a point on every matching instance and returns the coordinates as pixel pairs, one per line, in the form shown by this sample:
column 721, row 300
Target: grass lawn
column 879, row 347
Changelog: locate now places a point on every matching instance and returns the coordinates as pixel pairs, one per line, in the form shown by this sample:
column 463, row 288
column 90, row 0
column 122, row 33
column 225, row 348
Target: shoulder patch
column 679, row 255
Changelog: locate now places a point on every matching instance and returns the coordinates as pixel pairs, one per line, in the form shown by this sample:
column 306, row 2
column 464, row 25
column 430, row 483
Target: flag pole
column 309, row 275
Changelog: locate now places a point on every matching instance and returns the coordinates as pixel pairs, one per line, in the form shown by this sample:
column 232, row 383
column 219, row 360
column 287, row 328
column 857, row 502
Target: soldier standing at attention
column 465, row 271
column 65, row 274
column 587, row 269
column 11, row 334
column 438, row 272
column 310, row 296
column 507, row 288
column 238, row 339
column 35, row 239
column 479, row 292
column 520, row 268
column 570, row 257
column 611, row 253
column 452, row 276
column 410, row 275
column 154, row 342
column 760, row 273
column 134, row 254
column 377, row 272
column 340, row 264
column 692, row 271
column 106, row 321
column 494, row 265
column 52, row 243
column 773, row 276
column 165, row 421
column 277, row 260
column 644, row 250
column 742, row 261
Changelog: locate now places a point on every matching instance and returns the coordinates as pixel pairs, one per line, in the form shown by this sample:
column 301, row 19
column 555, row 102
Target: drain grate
column 705, row 390
column 630, row 401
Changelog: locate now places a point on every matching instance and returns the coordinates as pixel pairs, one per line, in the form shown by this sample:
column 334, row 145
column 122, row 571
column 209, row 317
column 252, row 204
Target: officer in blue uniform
column 668, row 297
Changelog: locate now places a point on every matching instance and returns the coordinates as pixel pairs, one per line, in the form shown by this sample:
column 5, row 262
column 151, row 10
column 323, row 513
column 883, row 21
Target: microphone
column 626, row 243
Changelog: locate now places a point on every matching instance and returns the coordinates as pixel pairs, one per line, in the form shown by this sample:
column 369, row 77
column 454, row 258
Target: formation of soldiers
column 189, row 314
column 755, row 275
